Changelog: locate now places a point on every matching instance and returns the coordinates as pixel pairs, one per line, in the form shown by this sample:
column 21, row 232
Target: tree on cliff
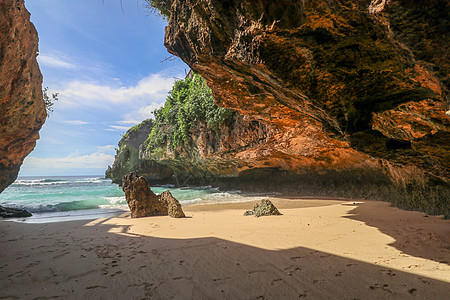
column 160, row 7
column 49, row 101
column 188, row 106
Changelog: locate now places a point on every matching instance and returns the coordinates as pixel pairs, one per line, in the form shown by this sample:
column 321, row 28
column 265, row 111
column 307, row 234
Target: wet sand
column 318, row 249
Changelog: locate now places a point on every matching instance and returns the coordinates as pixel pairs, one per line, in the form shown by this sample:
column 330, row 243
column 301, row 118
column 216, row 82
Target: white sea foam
column 115, row 206
column 38, row 182
column 116, row 200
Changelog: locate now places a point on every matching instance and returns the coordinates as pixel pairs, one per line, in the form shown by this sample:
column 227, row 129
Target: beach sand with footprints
column 318, row 249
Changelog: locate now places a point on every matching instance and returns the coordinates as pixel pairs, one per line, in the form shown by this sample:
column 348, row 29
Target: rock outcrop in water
column 355, row 94
column 22, row 110
column 7, row 212
column 144, row 203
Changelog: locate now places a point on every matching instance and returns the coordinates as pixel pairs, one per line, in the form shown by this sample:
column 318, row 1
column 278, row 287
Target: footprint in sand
column 292, row 269
column 95, row 287
column 384, row 287
column 304, row 295
column 181, row 277
column 221, row 279
column 317, row 281
column 276, row 281
column 257, row 271
column 295, row 258
column 424, row 281
column 388, row 272
column 117, row 273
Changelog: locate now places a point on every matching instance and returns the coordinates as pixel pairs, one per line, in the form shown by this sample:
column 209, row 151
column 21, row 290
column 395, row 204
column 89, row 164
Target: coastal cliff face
column 209, row 155
column 22, row 110
column 332, row 76
column 355, row 94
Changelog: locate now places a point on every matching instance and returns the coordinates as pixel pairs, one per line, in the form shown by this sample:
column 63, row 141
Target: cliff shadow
column 100, row 260
column 415, row 233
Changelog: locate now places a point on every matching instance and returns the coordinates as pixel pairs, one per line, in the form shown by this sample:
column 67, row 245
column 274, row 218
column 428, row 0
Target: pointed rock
column 140, row 198
column 173, row 206
column 265, row 208
column 144, row 203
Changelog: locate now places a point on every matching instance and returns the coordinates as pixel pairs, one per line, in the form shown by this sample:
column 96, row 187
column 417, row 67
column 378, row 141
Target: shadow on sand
column 71, row 260
column 433, row 240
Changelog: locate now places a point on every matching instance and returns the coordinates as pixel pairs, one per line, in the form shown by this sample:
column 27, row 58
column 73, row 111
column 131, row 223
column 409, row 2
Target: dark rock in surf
column 7, row 212
column 265, row 208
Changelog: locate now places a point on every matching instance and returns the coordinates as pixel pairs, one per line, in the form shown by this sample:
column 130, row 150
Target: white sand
column 332, row 250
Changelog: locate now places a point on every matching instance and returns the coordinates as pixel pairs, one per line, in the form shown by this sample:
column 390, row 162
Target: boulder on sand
column 265, row 208
column 144, row 203
column 173, row 206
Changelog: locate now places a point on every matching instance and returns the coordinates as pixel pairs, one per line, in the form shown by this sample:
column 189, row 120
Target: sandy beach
column 318, row 249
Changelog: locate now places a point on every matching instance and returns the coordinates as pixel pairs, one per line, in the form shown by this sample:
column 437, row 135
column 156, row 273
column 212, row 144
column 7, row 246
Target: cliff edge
column 22, row 109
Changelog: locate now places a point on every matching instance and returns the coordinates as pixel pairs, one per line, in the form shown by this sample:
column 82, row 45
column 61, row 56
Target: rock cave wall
column 22, row 109
column 356, row 94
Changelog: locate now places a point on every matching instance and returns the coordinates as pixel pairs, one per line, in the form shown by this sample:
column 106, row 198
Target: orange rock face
column 22, row 110
column 331, row 77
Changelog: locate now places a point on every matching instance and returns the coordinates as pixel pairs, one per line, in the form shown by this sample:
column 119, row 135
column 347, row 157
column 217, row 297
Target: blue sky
column 108, row 67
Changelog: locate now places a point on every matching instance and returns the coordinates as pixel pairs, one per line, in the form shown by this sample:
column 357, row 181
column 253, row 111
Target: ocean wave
column 205, row 187
column 58, row 207
column 192, row 201
column 39, row 182
column 114, row 206
column 46, row 181
column 89, row 181
column 116, row 200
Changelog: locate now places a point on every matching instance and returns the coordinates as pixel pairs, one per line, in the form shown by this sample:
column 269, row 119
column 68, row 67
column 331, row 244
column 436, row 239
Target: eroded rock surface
column 144, row 203
column 173, row 206
column 265, row 208
column 349, row 85
column 328, row 74
column 22, row 110
column 351, row 96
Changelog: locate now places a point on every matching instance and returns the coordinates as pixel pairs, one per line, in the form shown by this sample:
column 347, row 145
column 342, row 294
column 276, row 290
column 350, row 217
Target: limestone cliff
column 129, row 159
column 345, row 82
column 22, row 110
column 355, row 94
column 210, row 156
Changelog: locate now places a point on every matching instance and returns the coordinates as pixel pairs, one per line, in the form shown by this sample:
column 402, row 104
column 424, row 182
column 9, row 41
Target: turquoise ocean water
column 59, row 198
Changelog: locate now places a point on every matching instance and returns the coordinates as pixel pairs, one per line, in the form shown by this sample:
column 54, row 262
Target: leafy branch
column 49, row 101
column 161, row 7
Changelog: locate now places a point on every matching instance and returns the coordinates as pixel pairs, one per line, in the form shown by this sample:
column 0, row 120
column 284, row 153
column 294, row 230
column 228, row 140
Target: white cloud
column 99, row 159
column 106, row 149
column 153, row 87
column 55, row 62
column 117, row 128
column 76, row 122
column 143, row 113
column 130, row 122
column 146, row 112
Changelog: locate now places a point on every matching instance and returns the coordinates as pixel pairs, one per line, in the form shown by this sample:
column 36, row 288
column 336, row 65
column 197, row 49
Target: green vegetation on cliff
column 188, row 106
column 159, row 6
